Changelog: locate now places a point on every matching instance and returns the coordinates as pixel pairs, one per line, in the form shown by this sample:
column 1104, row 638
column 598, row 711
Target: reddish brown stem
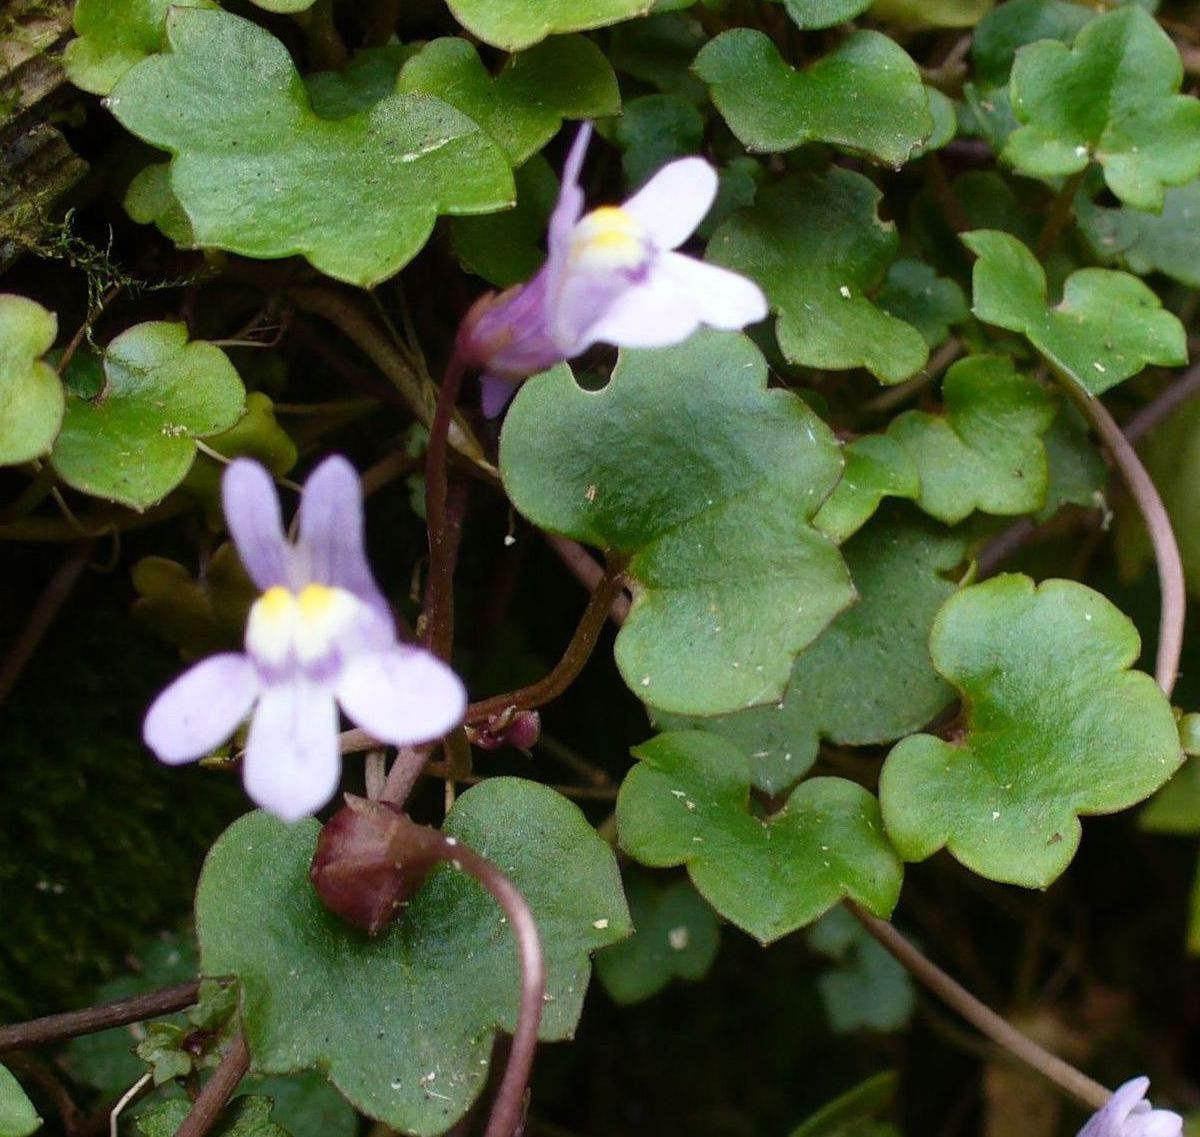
column 217, row 1090
column 588, row 571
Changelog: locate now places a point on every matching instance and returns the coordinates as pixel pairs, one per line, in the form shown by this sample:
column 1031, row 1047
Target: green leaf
column 113, row 35
column 135, row 441
column 853, row 1113
column 865, row 96
column 716, row 463
column 1111, row 98
column 868, row 678
column 812, row 14
column 1175, row 808
column 524, row 105
column 655, row 130
column 1077, row 471
column 403, row 1023
column 876, row 467
column 818, row 248
column 18, row 1118
column 912, row 291
column 986, row 451
column 245, row 1117
column 1056, row 726
column 688, row 803
column 870, row 990
column 659, row 51
column 516, row 24
column 675, row 936
column 1166, row 242
column 258, row 173
column 31, row 396
column 1107, row 326
column 1015, row 23
column 932, row 13
column 368, row 78
column 150, row 200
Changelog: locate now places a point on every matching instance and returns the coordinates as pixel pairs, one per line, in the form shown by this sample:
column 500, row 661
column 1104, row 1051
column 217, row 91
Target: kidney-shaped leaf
column 688, row 803
column 1112, row 97
column 865, row 96
column 135, row 441
column 403, row 1023
column 1107, row 326
column 258, row 173
column 1056, row 726
column 31, row 396
column 817, row 247
column 688, row 465
column 524, row 105
column 515, row 24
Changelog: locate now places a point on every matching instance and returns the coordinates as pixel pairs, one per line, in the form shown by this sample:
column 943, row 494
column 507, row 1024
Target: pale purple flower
column 320, row 636
column 1128, row 1114
column 611, row 276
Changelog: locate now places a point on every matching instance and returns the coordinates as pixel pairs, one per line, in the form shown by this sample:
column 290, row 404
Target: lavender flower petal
column 720, row 298
column 201, row 709
column 401, row 696
column 495, row 394
column 673, row 203
column 292, row 764
column 1128, row 1114
column 330, row 549
column 255, row 523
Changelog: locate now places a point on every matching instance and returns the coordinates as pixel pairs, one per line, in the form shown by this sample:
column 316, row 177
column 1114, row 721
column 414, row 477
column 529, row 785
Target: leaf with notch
column 31, row 396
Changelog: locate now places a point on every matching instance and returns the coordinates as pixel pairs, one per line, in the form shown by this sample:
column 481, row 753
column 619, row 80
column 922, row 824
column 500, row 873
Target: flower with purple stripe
column 610, row 276
column 320, row 636
column 1128, row 1114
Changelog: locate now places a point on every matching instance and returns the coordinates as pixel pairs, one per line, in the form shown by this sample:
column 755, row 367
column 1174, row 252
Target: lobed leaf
column 877, row 466
column 31, row 396
column 1056, row 726
column 707, row 481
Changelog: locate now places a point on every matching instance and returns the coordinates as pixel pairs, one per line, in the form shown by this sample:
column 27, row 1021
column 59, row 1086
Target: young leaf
column 865, row 96
column 876, row 467
column 1056, row 726
column 31, row 396
column 245, row 1117
column 517, row 24
column 1107, row 327
column 675, row 936
column 524, row 105
column 258, row 173
column 1004, row 30
column 868, row 678
column 135, row 441
column 403, row 1023
column 18, row 1118
column 817, row 247
column 1112, row 97
column 150, row 200
column 986, row 451
column 716, row 462
column 913, row 292
column 688, row 803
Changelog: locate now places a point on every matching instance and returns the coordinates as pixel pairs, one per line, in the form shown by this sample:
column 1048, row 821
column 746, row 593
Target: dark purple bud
column 510, row 727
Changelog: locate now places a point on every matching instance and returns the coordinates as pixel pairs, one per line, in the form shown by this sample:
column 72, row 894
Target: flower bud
column 510, row 727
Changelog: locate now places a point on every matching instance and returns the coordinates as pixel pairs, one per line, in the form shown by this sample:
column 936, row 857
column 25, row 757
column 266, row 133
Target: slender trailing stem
column 1060, row 210
column 588, row 571
column 980, row 1015
column 121, row 1012
column 217, row 1090
column 445, row 505
column 1162, row 538
column 578, row 652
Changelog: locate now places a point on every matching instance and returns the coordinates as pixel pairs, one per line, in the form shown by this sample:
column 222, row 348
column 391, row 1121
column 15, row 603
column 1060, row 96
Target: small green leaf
column 516, row 24
column 869, row 990
column 675, row 936
column 912, row 291
column 413, row 1010
column 818, row 248
column 1077, row 470
column 113, row 35
column 986, row 451
column 1107, row 327
column 162, row 1049
column 809, row 15
column 717, row 462
column 868, row 678
column 367, row 79
column 865, row 96
column 524, row 105
column 688, row 803
column 150, row 200
column 876, row 467
column 31, row 396
column 659, row 51
column 1175, row 808
column 1015, row 23
column 932, row 13
column 245, row 1117
column 1056, row 726
column 135, row 441
column 1112, row 97
column 258, row 173
column 18, row 1118
column 655, row 130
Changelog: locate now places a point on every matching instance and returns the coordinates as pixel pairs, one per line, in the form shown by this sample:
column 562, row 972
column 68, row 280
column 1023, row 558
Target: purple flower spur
column 1128, row 1114
column 610, row 276
column 320, row 636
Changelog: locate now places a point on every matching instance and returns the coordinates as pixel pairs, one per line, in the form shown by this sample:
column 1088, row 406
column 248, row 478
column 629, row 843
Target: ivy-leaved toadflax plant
column 320, row 636
column 610, row 276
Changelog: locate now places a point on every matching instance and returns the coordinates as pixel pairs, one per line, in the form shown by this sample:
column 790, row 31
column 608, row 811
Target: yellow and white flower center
column 304, row 626
column 608, row 238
